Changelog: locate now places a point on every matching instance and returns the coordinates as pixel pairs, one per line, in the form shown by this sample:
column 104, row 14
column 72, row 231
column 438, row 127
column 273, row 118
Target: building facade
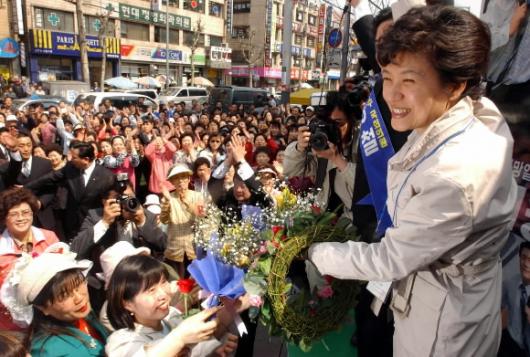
column 261, row 23
column 196, row 31
column 135, row 39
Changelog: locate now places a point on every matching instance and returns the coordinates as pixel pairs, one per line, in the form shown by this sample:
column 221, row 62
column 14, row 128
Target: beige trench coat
column 451, row 217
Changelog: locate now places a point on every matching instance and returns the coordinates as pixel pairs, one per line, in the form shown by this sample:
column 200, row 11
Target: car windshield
column 17, row 103
column 170, row 91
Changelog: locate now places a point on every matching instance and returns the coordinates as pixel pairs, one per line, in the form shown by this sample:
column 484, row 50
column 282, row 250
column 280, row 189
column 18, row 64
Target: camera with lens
column 323, row 131
column 127, row 203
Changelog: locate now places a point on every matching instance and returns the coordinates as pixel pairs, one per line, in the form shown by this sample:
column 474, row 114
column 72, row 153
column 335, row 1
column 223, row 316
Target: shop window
column 312, row 20
column 134, row 31
column 216, row 9
column 160, row 35
column 194, row 5
column 190, row 37
column 54, row 20
column 216, row 41
column 55, row 68
column 93, row 25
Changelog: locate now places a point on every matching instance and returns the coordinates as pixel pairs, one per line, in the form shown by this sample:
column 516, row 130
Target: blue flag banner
column 376, row 149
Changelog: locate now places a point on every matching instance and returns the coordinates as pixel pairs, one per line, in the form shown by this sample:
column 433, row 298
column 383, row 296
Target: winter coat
column 452, row 196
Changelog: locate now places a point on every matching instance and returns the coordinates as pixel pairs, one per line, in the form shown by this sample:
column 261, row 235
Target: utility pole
column 167, row 44
column 104, row 18
column 287, row 48
column 81, row 32
column 345, row 43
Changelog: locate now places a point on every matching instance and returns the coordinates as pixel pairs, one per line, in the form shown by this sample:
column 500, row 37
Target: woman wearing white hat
column 50, row 292
column 179, row 210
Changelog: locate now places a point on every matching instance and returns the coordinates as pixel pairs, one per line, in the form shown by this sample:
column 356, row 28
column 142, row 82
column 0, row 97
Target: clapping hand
column 238, row 149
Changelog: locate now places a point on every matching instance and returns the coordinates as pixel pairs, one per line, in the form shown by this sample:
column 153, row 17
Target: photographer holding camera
column 324, row 151
column 122, row 218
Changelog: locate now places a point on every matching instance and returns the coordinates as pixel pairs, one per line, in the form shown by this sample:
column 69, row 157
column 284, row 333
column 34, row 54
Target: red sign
column 126, row 50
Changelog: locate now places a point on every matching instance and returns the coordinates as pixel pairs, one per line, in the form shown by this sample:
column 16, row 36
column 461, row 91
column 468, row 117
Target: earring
column 132, row 313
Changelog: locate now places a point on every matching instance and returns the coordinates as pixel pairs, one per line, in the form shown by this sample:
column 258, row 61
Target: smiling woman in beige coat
column 451, row 194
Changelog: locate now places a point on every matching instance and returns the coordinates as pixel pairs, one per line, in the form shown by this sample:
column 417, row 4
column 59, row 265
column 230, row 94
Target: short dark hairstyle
column 13, row 197
column 382, row 16
column 199, row 162
column 53, row 147
column 185, row 135
column 262, row 150
column 455, row 42
column 86, row 150
column 132, row 275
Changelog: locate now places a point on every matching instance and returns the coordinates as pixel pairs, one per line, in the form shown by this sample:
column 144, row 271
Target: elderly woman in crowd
column 160, row 153
column 451, row 191
column 57, row 304
column 17, row 209
column 124, row 157
column 179, row 210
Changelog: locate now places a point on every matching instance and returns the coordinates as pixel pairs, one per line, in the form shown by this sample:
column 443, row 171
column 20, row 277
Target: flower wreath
column 305, row 316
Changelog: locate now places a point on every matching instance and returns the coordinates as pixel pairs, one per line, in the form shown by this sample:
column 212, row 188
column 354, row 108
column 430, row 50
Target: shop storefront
column 262, row 76
column 9, row 52
column 219, row 60
column 144, row 60
column 56, row 56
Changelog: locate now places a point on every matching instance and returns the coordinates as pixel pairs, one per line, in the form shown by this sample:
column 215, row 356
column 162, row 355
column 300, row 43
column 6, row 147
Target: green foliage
column 290, row 316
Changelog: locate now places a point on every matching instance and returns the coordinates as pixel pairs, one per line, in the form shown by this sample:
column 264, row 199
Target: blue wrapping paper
column 220, row 279
column 253, row 213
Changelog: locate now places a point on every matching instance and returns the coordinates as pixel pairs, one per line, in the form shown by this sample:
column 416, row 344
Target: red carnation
column 186, row 285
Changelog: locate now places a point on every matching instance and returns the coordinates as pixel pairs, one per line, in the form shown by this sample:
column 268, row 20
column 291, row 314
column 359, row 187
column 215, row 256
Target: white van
column 184, row 94
column 117, row 99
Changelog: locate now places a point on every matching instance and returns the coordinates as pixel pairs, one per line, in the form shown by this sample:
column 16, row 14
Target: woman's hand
column 228, row 347
column 197, row 328
column 238, row 149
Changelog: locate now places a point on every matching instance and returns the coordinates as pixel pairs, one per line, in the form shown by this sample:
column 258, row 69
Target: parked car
column 46, row 100
column 117, row 99
column 184, row 94
column 151, row 93
column 247, row 96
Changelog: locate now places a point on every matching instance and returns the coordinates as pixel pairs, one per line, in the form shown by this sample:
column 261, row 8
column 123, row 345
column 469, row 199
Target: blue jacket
column 65, row 345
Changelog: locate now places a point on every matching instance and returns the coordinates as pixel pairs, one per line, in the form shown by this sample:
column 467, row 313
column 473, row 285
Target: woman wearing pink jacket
column 160, row 153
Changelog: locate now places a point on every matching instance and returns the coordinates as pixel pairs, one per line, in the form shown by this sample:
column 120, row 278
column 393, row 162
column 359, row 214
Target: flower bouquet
column 268, row 244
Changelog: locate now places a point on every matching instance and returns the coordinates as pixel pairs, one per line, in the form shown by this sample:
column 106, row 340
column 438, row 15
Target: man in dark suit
column 28, row 169
column 85, row 183
column 105, row 226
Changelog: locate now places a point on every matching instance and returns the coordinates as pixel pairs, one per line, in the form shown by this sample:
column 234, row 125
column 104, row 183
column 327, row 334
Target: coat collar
column 419, row 145
column 7, row 243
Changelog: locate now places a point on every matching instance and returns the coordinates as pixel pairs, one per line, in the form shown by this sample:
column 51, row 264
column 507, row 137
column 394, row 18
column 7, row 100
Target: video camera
column 127, row 203
column 323, row 129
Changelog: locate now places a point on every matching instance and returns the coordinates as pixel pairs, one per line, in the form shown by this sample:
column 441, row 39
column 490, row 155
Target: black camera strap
column 322, row 169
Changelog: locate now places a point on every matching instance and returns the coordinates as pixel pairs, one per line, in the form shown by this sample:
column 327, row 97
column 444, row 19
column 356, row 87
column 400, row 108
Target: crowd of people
column 103, row 200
